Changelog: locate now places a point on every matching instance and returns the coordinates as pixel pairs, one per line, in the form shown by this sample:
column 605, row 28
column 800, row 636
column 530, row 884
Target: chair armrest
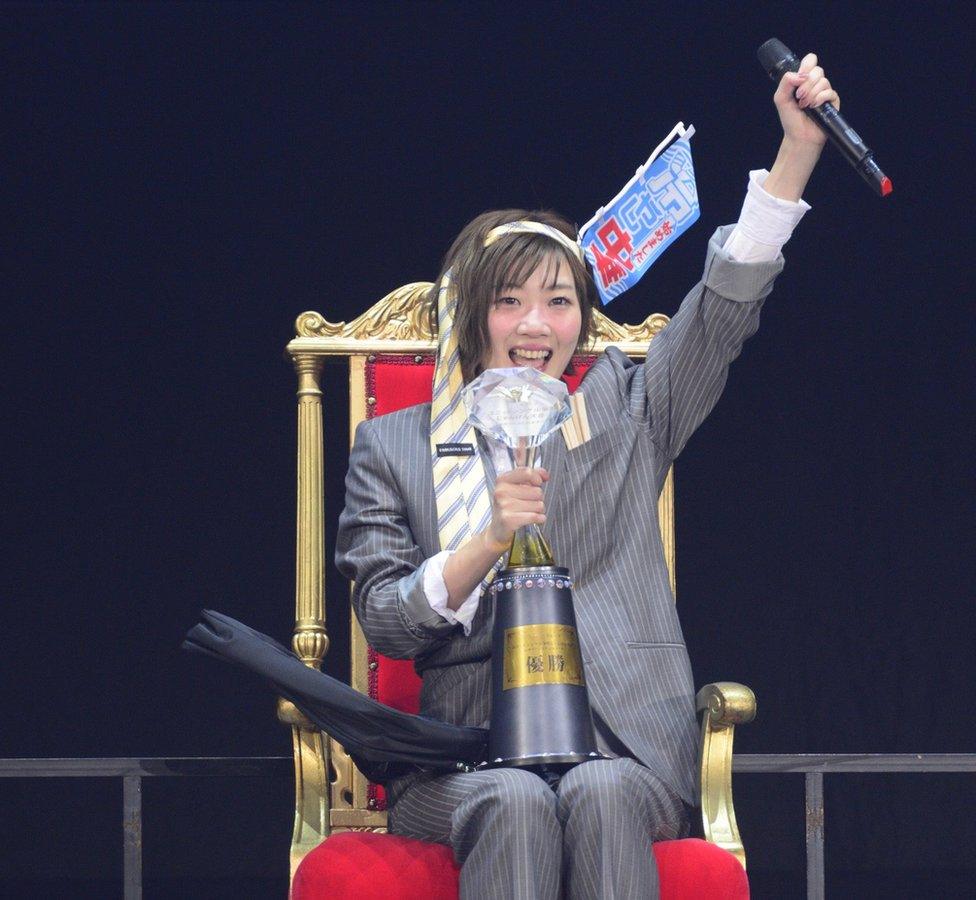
column 723, row 705
column 727, row 703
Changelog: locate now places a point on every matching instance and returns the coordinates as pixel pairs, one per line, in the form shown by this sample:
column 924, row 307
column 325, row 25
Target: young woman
column 515, row 291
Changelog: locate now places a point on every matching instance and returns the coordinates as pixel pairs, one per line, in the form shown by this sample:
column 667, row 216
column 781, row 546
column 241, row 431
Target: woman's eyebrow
column 558, row 286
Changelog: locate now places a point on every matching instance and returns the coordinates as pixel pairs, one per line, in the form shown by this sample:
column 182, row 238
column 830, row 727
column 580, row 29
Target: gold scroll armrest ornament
column 722, row 705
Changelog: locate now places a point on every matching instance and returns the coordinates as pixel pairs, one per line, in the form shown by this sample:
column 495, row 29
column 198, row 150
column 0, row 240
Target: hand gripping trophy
column 540, row 713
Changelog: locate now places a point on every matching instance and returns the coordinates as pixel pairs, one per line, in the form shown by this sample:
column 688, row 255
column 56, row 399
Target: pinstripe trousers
column 517, row 838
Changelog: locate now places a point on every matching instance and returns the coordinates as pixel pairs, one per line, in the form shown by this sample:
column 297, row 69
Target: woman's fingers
column 824, row 94
column 519, row 491
column 808, row 63
column 517, row 500
column 799, row 92
column 789, row 88
column 523, row 475
column 521, row 507
column 516, row 503
column 517, row 520
column 811, row 83
column 809, row 86
column 810, row 92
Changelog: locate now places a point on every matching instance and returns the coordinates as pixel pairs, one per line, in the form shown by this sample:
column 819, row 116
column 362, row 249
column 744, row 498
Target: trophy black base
column 546, row 759
column 540, row 714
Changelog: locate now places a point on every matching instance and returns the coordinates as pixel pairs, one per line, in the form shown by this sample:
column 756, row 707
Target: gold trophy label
column 542, row 654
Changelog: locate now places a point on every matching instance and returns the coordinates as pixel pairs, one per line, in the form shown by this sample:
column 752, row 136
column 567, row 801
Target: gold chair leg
column 311, row 794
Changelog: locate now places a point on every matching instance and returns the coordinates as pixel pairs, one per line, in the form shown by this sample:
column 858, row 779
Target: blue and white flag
column 660, row 202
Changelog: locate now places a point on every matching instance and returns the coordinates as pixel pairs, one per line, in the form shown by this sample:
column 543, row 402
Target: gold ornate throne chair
column 391, row 345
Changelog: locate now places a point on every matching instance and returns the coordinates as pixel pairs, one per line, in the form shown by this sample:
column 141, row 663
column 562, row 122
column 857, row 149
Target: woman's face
column 538, row 323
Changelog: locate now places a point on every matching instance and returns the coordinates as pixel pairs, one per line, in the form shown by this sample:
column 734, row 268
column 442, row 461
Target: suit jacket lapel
column 554, row 461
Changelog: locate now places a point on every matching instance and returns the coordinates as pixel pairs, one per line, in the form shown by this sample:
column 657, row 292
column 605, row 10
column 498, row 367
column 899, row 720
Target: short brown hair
column 478, row 273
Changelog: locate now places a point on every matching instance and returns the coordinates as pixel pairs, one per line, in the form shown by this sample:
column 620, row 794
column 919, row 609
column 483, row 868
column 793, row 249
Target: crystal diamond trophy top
column 540, row 713
column 519, row 407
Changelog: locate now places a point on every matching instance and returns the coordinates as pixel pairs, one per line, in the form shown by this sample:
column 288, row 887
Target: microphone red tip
column 886, row 187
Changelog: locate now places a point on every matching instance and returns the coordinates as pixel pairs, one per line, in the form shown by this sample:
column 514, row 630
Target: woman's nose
column 533, row 322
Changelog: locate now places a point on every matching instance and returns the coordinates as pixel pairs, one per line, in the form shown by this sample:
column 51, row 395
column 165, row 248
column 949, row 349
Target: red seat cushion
column 364, row 866
column 369, row 866
column 692, row 869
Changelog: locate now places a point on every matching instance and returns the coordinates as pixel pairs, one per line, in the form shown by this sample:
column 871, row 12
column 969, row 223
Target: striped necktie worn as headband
column 525, row 226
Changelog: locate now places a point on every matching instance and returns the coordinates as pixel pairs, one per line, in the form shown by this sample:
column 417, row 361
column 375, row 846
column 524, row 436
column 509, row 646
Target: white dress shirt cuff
column 765, row 223
column 436, row 592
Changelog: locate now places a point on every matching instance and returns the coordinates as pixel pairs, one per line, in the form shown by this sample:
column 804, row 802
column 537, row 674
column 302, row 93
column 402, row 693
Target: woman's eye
column 561, row 301
column 506, row 301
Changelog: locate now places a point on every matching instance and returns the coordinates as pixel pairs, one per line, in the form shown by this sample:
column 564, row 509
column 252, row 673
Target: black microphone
column 776, row 58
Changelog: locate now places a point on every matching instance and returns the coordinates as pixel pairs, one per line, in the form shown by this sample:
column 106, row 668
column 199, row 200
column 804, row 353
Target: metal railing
column 133, row 770
column 816, row 765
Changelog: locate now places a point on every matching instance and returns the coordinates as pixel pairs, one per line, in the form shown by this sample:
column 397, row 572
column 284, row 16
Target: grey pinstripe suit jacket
column 602, row 524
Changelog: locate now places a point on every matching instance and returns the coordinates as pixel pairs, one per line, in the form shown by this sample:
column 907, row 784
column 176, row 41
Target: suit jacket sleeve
column 687, row 363
column 376, row 550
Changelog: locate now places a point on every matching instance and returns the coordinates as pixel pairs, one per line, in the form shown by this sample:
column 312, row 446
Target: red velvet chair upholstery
column 387, row 867
column 390, row 354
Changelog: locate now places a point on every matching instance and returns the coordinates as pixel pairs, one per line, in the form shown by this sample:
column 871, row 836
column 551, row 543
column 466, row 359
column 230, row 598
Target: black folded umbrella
column 385, row 743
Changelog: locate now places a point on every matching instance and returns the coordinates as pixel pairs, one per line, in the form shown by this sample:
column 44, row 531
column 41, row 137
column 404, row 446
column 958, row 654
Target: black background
column 181, row 180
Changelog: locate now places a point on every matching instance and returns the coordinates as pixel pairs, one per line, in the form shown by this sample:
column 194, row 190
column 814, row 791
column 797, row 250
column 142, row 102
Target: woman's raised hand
column 516, row 501
column 802, row 138
column 798, row 91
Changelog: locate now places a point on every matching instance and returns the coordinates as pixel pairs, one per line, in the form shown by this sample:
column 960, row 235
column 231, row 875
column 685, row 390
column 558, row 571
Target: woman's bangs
column 520, row 259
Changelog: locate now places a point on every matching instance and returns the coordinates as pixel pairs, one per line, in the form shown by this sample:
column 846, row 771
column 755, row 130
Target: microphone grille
column 776, row 58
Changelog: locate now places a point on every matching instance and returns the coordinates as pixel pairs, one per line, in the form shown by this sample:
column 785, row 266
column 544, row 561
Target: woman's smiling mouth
column 525, row 357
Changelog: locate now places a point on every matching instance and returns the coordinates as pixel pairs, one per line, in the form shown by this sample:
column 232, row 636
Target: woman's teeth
column 530, row 354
